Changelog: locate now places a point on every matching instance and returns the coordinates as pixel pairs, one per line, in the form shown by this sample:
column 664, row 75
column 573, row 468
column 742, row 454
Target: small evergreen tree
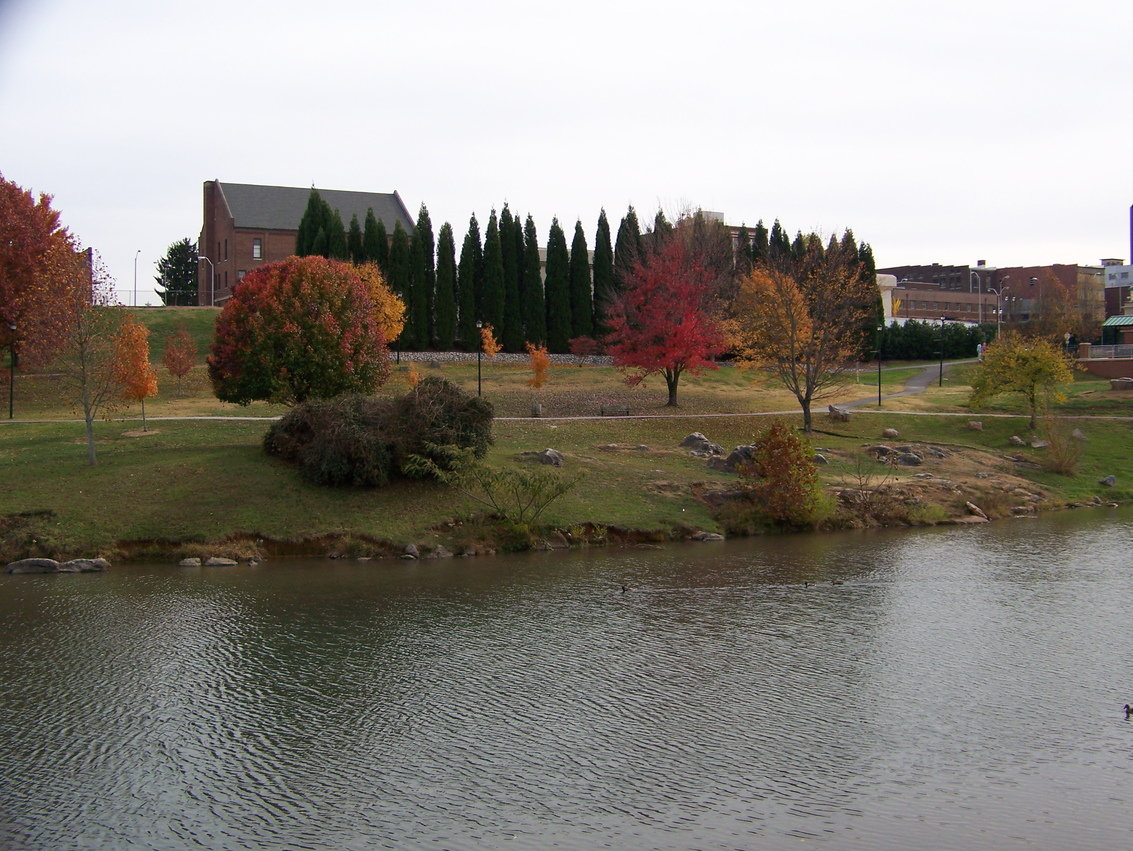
column 558, row 290
column 446, row 288
column 760, row 250
column 581, row 301
column 309, row 224
column 177, row 274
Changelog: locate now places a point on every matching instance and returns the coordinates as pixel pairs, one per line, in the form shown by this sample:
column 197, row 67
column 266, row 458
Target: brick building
column 972, row 293
column 246, row 226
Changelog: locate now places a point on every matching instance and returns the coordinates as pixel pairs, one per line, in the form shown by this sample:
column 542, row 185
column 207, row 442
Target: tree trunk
column 90, row 439
column 807, row 422
column 672, row 379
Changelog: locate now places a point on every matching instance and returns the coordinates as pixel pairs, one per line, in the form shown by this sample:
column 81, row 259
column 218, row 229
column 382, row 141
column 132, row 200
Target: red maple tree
column 662, row 321
column 180, row 355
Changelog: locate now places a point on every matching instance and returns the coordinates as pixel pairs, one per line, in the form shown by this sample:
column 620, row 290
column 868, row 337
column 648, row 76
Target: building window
column 240, row 275
column 257, row 249
column 226, row 248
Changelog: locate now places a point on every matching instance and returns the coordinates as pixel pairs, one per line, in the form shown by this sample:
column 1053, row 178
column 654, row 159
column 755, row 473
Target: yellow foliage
column 488, row 342
column 388, row 306
column 413, row 376
column 132, row 368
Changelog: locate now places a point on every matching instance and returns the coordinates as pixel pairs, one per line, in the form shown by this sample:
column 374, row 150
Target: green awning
column 1116, row 321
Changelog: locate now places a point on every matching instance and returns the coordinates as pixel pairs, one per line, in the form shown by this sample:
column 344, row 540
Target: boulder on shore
column 50, row 565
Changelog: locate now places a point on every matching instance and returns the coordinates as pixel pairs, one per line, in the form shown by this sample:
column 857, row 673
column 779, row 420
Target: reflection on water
column 956, row 687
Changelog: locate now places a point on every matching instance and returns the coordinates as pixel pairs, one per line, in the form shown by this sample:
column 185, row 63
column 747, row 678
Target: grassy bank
column 203, row 486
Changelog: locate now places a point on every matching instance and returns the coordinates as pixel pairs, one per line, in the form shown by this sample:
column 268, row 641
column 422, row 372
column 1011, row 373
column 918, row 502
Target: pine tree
column 423, row 271
column 581, row 301
column 398, row 279
column 627, row 248
column 534, row 315
column 467, row 283
column 603, row 273
column 778, row 244
column 661, row 232
column 759, row 244
column 743, row 251
column 446, row 288
column 491, row 303
column 558, row 290
column 354, row 241
column 320, row 244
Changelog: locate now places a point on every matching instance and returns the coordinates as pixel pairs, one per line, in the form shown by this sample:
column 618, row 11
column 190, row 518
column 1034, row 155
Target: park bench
column 615, row 410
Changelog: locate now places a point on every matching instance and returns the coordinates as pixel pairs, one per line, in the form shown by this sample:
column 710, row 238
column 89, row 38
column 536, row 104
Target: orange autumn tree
column 540, row 364
column 803, row 321
column 488, row 342
column 132, row 368
column 180, row 354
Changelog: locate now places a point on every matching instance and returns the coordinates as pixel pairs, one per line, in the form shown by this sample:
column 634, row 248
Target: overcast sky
column 944, row 132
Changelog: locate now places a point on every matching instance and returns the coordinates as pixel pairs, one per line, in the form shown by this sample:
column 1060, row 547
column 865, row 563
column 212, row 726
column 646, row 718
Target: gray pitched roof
column 281, row 207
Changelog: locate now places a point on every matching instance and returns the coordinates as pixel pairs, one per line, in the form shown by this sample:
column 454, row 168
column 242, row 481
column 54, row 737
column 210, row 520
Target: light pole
column 880, row 331
column 136, row 253
column 941, row 351
column 479, row 351
column 11, row 367
column 979, row 289
column 212, row 279
column 998, row 312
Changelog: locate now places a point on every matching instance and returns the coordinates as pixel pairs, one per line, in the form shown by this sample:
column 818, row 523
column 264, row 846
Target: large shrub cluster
column 366, row 442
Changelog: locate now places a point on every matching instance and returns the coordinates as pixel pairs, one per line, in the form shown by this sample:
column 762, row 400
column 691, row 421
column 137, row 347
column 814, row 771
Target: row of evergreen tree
column 500, row 279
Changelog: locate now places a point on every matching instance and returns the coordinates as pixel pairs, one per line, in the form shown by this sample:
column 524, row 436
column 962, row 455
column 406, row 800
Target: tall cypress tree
column 511, row 332
column 558, row 290
column 743, row 251
column 534, row 315
column 581, row 301
column 375, row 246
column 320, row 243
column 491, row 304
column 603, row 273
column 354, row 241
column 627, row 248
column 309, row 224
column 336, row 237
column 467, row 283
column 446, row 288
column 424, row 274
column 398, row 278
column 778, row 244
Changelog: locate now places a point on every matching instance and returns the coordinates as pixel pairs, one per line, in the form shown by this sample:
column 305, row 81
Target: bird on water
column 1128, row 711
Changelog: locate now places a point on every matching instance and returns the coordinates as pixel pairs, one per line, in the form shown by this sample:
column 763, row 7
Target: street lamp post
column 979, row 290
column 479, row 352
column 136, row 253
column 212, row 279
column 880, row 331
column 941, row 384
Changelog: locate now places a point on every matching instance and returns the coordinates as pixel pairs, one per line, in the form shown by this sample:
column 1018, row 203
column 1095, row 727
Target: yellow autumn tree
column 132, row 367
column 1033, row 367
column 388, row 306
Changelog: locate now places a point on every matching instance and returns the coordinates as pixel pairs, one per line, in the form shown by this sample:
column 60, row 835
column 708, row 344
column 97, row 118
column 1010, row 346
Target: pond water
column 958, row 687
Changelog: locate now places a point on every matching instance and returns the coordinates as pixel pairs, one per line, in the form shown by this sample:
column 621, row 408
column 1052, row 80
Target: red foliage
column 180, row 354
column 36, row 258
column 662, row 321
column 303, row 328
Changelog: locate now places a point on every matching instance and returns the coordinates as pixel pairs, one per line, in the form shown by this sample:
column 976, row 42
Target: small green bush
column 783, row 480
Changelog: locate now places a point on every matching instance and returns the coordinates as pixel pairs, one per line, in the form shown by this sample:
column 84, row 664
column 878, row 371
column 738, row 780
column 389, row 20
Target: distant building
column 1118, row 280
column 246, row 226
column 981, row 292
